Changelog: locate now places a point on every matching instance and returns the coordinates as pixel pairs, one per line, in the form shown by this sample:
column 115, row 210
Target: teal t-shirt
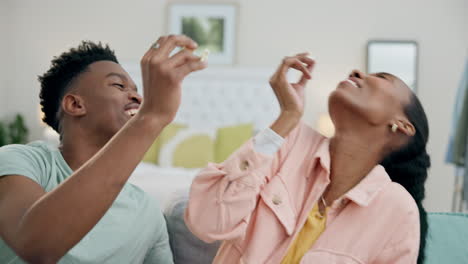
column 133, row 230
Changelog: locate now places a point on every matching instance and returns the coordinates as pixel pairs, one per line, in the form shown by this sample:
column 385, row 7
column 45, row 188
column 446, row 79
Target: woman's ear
column 73, row 105
column 405, row 127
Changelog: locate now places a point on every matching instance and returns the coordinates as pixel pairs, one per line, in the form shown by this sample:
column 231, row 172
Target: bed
column 211, row 99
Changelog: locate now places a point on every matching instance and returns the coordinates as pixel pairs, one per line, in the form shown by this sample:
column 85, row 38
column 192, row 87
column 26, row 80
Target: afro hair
column 64, row 69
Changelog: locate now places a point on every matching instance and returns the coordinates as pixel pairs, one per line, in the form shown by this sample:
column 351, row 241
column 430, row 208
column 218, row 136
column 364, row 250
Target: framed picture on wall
column 399, row 58
column 212, row 26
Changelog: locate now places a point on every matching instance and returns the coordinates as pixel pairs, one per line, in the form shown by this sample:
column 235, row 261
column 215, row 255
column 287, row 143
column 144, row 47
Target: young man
column 73, row 204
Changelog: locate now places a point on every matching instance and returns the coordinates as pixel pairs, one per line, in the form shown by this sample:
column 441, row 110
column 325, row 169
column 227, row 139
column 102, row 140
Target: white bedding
column 212, row 98
column 161, row 183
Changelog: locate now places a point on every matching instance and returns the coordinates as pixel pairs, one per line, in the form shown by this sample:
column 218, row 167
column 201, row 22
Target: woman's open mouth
column 352, row 83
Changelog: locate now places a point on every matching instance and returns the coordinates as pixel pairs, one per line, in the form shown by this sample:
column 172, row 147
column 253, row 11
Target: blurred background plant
column 14, row 132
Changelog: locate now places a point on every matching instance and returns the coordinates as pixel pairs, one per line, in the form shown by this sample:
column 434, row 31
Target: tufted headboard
column 218, row 97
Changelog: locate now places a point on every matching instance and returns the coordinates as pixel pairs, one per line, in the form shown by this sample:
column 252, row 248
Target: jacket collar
column 322, row 156
column 366, row 190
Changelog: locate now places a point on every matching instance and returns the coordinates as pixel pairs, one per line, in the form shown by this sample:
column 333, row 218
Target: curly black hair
column 64, row 69
column 408, row 166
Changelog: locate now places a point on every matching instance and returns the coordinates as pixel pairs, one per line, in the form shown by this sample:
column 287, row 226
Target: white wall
column 3, row 65
column 335, row 32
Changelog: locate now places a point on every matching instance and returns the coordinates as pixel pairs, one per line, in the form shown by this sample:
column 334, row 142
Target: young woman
column 291, row 195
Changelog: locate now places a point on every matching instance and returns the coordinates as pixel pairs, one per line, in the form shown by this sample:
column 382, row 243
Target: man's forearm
column 62, row 217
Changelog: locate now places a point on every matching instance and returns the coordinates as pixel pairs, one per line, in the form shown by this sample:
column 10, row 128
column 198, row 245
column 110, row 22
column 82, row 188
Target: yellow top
column 309, row 233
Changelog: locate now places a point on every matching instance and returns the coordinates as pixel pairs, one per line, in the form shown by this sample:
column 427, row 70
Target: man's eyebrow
column 121, row 76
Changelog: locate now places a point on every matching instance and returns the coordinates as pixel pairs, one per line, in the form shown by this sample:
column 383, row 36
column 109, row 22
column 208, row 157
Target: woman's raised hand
column 291, row 95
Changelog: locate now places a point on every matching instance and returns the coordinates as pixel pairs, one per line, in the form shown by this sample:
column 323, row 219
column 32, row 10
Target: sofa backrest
column 447, row 239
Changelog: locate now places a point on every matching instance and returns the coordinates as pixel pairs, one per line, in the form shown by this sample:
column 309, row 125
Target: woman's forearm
column 285, row 123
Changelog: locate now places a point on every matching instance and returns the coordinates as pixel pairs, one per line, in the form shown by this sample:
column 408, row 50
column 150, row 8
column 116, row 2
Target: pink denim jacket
column 257, row 204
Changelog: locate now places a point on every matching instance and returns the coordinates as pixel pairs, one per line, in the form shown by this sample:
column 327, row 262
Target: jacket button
column 276, row 200
column 244, row 165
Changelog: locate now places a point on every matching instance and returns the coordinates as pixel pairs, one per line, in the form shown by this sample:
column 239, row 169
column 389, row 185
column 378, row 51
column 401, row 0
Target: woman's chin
column 339, row 96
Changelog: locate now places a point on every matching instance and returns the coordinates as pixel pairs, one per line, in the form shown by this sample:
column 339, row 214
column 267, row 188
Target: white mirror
column 399, row 58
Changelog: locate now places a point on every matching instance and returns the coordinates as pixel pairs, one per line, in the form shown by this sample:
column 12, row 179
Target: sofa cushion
column 186, row 247
column 447, row 239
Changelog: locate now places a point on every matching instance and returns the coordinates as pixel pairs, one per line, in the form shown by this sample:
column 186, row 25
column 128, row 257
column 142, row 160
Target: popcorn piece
column 205, row 55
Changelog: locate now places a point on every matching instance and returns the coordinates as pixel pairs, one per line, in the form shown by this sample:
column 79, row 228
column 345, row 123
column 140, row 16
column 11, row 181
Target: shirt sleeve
column 268, row 142
column 223, row 196
column 23, row 160
column 160, row 252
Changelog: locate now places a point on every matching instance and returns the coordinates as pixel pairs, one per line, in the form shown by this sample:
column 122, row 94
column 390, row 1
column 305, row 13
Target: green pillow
column 152, row 155
column 190, row 148
column 194, row 152
column 229, row 139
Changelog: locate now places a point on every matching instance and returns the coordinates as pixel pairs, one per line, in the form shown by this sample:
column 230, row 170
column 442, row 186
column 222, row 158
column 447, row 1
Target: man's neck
column 77, row 150
column 353, row 156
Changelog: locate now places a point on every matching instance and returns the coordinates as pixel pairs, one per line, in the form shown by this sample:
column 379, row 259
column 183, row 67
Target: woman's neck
column 353, row 156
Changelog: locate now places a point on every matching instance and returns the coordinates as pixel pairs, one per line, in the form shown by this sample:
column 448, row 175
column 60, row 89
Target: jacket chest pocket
column 329, row 257
column 276, row 196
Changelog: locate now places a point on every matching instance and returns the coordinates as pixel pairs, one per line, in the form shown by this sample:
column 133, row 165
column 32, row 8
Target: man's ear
column 73, row 105
column 405, row 127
